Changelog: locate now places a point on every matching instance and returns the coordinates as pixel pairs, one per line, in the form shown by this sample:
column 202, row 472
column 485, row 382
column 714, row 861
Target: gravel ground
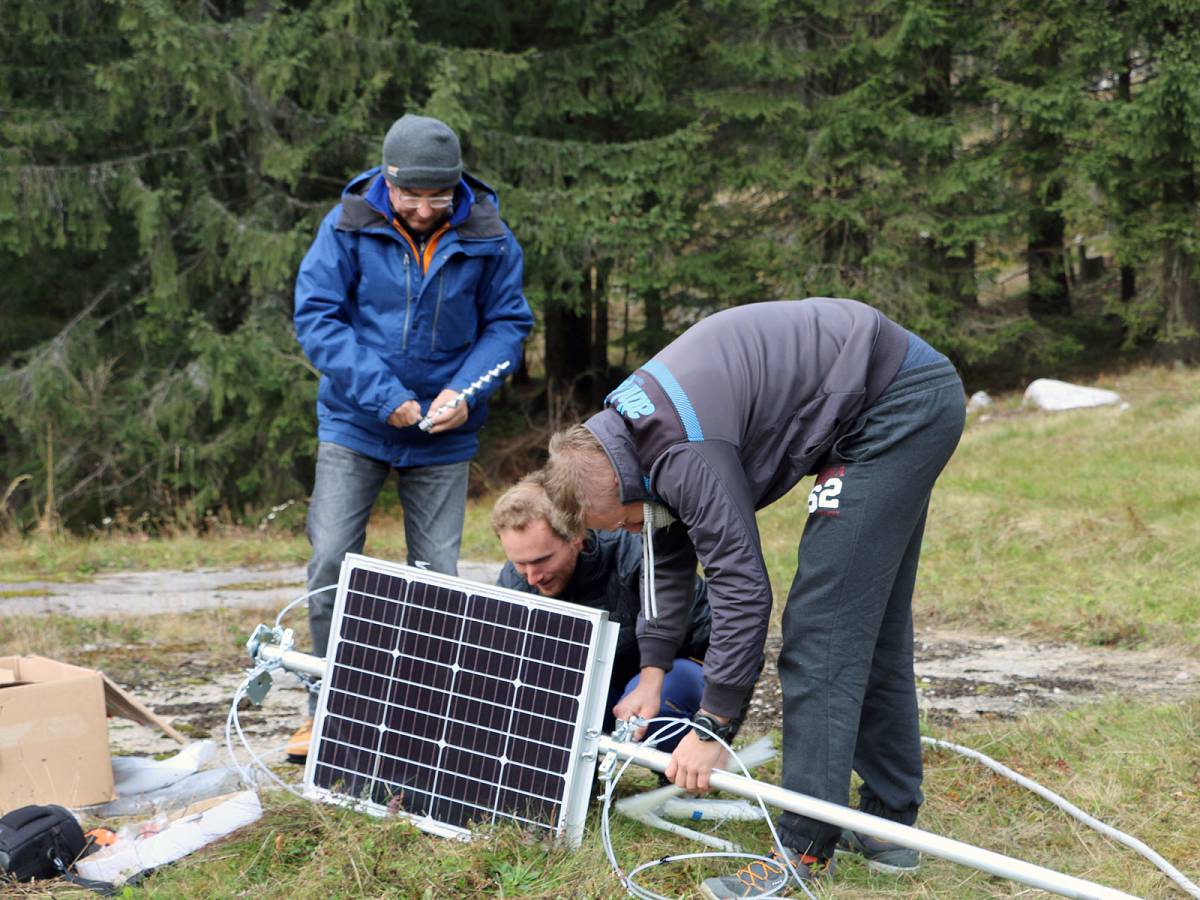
column 962, row 677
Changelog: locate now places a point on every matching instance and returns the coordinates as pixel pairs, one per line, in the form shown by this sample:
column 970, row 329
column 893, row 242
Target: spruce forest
column 1015, row 181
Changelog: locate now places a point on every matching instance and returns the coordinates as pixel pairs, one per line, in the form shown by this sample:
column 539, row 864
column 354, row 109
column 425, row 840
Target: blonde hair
column 578, row 472
column 526, row 502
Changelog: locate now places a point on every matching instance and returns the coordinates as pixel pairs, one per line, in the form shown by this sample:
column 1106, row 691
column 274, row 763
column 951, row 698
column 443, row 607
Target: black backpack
column 39, row 842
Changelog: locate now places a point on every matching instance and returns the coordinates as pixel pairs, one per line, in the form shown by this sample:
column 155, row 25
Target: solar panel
column 457, row 703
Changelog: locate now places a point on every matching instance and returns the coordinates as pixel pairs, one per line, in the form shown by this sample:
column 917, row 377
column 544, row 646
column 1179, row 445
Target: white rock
column 979, row 400
column 1047, row 393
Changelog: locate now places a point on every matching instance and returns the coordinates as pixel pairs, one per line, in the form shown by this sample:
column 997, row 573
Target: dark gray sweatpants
column 846, row 664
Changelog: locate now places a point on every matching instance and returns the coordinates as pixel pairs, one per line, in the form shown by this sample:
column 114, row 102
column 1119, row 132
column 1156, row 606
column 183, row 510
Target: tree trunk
column 953, row 274
column 1048, row 291
column 568, row 342
column 1181, row 295
column 1125, row 93
column 652, row 338
column 598, row 358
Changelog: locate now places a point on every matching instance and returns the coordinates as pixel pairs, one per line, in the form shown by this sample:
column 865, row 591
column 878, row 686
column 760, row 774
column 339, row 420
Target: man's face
column 421, row 209
column 541, row 557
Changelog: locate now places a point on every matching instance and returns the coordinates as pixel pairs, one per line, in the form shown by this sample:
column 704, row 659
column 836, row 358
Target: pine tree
column 168, row 165
column 575, row 111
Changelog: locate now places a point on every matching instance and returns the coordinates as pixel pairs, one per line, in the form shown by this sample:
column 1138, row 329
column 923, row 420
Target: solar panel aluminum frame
column 592, row 697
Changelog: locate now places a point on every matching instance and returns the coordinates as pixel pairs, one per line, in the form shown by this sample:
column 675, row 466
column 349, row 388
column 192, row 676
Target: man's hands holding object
column 444, row 413
column 694, row 759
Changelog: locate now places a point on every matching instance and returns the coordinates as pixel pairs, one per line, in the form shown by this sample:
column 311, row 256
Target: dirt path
column 962, row 677
column 149, row 593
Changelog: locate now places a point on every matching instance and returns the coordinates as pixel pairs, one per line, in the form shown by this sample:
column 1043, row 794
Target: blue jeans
column 681, row 692
column 434, row 500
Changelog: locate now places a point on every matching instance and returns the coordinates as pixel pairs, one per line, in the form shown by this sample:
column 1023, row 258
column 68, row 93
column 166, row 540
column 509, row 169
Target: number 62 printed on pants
column 823, row 499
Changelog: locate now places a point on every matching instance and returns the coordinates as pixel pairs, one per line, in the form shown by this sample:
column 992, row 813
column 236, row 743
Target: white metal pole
column 293, row 660
column 844, row 817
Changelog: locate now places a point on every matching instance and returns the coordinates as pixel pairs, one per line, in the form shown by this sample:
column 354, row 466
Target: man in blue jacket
column 411, row 291
column 722, row 422
column 554, row 556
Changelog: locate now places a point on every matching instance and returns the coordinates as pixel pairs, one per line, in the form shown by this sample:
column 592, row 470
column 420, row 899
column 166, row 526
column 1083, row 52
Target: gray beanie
column 420, row 152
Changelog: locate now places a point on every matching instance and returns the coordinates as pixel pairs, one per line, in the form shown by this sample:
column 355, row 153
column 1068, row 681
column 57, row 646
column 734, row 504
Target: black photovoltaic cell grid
column 453, row 705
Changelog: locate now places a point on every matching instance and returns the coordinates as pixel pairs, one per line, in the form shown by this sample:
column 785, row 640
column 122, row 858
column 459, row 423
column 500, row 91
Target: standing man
column 554, row 555
column 724, row 421
column 410, row 292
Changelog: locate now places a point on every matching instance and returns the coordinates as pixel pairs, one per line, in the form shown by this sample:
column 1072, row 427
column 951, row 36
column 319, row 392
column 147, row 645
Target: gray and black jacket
column 607, row 576
column 722, row 422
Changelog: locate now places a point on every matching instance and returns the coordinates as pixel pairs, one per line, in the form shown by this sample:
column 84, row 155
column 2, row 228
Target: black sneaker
column 758, row 877
column 881, row 856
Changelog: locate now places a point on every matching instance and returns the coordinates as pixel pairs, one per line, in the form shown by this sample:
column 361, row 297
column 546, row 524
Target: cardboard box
column 54, row 732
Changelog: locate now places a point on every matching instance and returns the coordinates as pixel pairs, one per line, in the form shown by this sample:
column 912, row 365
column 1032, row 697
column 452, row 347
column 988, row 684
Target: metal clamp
column 624, row 732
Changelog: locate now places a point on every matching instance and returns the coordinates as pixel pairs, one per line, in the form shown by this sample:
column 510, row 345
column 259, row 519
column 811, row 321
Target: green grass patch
column 73, row 558
column 8, row 595
column 1131, row 766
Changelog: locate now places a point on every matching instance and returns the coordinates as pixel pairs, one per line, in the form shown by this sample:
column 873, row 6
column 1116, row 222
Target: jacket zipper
column 407, row 303
column 438, row 308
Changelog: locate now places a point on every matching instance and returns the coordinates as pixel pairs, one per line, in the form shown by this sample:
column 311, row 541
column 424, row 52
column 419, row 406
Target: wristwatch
column 721, row 730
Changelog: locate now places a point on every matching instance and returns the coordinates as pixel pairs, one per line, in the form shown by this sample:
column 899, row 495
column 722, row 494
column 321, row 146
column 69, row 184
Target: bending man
column 724, row 421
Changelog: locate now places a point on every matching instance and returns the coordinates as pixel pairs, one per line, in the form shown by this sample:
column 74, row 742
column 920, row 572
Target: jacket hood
column 476, row 212
column 609, row 429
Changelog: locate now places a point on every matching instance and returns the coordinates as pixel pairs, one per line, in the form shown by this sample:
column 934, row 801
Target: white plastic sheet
column 177, row 839
column 137, row 774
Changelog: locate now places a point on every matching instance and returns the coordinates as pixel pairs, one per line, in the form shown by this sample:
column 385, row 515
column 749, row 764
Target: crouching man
column 551, row 555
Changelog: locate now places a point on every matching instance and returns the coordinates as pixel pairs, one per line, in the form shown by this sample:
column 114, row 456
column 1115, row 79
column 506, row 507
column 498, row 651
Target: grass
column 1076, row 526
column 1132, row 766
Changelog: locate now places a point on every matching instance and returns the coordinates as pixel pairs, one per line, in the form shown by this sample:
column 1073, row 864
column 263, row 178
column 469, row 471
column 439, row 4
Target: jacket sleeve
column 704, row 483
column 505, row 321
column 695, row 642
column 659, row 639
column 325, row 288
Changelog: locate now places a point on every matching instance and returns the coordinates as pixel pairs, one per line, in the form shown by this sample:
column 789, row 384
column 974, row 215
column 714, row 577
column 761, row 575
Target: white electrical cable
column 672, row 727
column 313, row 685
column 283, row 612
column 1074, row 811
column 232, row 722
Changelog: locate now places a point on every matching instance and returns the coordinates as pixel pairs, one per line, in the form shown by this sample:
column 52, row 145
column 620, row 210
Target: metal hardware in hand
column 426, row 423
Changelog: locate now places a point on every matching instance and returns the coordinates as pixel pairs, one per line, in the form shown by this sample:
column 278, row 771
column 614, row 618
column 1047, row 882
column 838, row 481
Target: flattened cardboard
column 119, row 703
column 54, row 732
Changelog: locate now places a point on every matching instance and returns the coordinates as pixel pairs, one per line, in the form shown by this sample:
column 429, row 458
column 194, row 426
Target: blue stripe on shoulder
column 683, row 406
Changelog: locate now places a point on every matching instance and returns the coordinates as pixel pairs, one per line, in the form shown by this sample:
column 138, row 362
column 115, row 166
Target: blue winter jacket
column 384, row 326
